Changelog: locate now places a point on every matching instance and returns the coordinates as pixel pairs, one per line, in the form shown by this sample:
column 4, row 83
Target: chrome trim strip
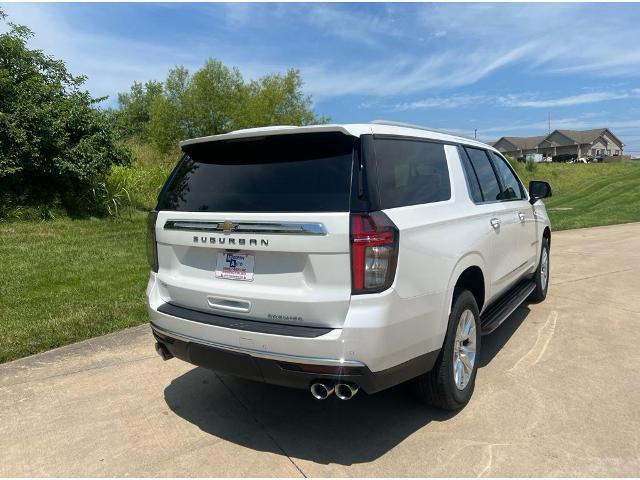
column 258, row 353
column 266, row 228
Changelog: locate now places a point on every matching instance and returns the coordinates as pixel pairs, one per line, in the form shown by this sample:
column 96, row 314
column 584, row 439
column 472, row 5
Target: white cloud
column 581, row 99
column 358, row 27
column 406, row 75
column 453, row 101
column 521, row 100
column 570, row 37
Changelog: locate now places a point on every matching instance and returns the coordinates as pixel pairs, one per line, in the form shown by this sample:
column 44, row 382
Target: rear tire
column 451, row 382
column 541, row 277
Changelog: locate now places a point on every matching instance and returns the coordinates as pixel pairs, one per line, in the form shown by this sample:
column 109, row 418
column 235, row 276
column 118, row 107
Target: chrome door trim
column 266, row 228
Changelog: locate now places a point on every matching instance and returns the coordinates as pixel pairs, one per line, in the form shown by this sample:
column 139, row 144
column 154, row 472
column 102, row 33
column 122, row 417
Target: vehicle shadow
column 290, row 422
column 332, row 431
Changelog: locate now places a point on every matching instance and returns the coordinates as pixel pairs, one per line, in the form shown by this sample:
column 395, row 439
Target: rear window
column 411, row 172
column 280, row 173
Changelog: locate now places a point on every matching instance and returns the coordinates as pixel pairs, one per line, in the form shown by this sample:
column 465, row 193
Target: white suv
column 339, row 257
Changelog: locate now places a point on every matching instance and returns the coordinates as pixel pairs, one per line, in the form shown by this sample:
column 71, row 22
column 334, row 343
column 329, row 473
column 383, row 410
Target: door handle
column 495, row 223
column 521, row 216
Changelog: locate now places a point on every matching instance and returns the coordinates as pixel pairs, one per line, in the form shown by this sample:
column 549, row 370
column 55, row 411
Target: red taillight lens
column 152, row 246
column 374, row 252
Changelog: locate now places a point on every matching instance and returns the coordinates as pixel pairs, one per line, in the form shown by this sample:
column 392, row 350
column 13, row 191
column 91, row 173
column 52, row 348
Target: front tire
column 541, row 277
column 451, row 382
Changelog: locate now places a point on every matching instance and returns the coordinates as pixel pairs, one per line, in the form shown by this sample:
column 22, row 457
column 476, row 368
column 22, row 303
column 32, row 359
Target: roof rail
column 421, row 127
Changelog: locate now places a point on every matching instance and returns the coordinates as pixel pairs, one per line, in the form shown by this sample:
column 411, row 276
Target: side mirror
column 538, row 190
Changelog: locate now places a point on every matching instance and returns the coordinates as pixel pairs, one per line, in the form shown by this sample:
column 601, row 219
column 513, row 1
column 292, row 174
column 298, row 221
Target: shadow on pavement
column 331, row 431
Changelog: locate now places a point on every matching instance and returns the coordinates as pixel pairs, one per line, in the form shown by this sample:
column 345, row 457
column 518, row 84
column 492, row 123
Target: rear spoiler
column 266, row 131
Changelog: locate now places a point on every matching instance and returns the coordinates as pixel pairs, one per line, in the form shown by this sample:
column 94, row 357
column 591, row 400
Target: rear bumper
column 387, row 338
column 293, row 372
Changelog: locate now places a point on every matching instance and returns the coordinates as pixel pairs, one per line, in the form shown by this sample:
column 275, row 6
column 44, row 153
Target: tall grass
column 135, row 187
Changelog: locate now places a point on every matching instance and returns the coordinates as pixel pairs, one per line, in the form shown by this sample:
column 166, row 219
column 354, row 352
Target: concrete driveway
column 558, row 393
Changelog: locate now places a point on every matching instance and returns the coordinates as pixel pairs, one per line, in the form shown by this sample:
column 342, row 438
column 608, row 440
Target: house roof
column 574, row 136
column 524, row 143
column 583, row 136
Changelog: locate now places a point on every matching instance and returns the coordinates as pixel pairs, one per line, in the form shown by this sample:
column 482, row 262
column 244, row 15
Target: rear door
column 518, row 214
column 502, row 264
column 259, row 228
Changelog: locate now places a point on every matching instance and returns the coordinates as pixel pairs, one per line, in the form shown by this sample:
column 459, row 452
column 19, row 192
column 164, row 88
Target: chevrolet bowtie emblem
column 227, row 226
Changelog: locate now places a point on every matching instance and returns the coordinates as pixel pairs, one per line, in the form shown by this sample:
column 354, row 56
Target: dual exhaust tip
column 344, row 391
column 164, row 353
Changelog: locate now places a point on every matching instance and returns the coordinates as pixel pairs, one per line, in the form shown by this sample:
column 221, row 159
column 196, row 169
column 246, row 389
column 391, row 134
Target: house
column 582, row 143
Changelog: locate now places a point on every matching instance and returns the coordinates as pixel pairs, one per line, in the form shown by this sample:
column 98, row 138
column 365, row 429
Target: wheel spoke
column 472, row 331
column 458, row 372
column 466, row 362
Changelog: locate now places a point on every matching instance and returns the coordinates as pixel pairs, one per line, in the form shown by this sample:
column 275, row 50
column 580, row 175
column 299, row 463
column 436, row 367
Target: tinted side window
column 510, row 184
column 486, row 176
column 472, row 178
column 411, row 172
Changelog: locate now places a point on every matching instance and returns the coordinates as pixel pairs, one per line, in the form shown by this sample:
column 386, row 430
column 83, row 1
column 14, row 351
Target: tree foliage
column 54, row 143
column 215, row 99
column 133, row 117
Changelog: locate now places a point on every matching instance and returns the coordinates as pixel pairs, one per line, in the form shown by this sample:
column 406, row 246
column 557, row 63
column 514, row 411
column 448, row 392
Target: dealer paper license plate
column 235, row 266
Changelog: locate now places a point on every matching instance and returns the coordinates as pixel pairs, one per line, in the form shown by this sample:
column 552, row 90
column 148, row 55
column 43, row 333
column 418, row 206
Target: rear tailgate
column 280, row 207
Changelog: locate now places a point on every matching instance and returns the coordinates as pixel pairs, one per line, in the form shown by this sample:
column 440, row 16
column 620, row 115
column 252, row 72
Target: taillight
column 152, row 246
column 374, row 252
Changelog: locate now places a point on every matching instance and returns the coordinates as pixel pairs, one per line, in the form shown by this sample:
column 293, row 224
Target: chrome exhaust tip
column 346, row 391
column 163, row 352
column 321, row 391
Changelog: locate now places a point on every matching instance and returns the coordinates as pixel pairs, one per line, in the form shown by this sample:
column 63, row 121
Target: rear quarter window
column 411, row 172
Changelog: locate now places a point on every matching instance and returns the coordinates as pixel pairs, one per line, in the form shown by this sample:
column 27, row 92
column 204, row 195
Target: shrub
column 54, row 144
column 531, row 166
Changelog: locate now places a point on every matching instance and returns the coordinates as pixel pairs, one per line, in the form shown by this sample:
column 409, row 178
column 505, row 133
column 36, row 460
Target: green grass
column 66, row 280
column 588, row 195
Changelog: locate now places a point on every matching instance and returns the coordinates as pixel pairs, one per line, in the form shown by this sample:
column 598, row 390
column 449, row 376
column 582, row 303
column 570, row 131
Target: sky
column 498, row 69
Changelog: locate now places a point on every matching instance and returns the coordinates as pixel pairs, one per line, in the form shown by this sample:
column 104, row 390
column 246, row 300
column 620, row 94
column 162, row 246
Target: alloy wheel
column 464, row 349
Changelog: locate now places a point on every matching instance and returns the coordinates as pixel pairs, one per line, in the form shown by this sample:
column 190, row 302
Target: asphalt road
column 557, row 394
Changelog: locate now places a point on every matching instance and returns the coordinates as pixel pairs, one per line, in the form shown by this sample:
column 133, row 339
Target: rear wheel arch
column 471, row 279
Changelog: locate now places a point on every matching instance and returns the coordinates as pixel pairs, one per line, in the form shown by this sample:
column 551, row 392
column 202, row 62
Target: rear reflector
column 321, row 369
column 374, row 252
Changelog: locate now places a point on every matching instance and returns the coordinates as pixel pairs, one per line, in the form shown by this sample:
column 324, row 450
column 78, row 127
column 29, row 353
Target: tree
column 277, row 100
column 54, row 142
column 133, row 115
column 213, row 100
